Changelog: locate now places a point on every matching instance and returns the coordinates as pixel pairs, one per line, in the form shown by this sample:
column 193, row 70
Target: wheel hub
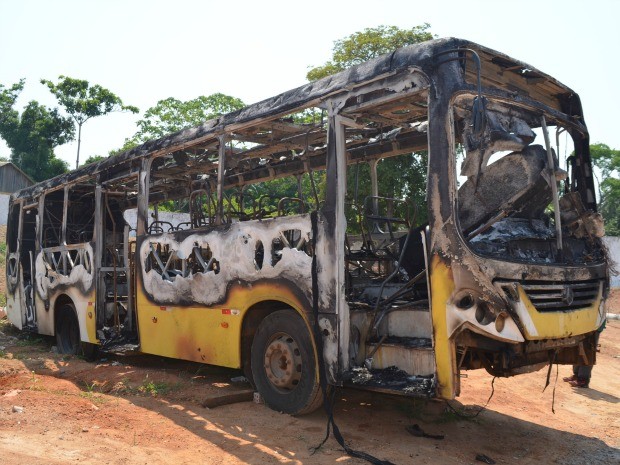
column 283, row 362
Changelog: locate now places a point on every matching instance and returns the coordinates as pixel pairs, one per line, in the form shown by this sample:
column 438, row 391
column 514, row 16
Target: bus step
column 391, row 380
column 410, row 354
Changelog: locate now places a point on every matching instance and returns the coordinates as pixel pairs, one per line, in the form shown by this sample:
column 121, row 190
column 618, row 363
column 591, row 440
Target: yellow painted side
column 551, row 325
column 91, row 319
column 442, row 287
column 204, row 334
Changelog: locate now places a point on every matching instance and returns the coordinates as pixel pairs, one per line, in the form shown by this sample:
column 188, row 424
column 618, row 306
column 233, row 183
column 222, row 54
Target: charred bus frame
column 321, row 283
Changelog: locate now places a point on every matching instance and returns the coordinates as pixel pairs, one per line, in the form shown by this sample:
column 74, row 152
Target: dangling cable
column 547, row 382
column 469, row 417
column 328, row 403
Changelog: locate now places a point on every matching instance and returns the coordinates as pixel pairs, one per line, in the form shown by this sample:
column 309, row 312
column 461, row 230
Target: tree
column 93, row 159
column 399, row 177
column 171, row 115
column 402, row 177
column 370, row 43
column 608, row 161
column 83, row 102
column 33, row 134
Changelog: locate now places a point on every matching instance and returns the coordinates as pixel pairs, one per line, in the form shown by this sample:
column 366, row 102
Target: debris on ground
column 229, row 398
column 485, row 459
column 416, row 431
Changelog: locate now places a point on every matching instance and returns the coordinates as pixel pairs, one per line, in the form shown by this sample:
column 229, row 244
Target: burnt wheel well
column 60, row 302
column 255, row 314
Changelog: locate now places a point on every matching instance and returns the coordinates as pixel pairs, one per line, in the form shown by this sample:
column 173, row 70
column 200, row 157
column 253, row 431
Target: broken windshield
column 515, row 197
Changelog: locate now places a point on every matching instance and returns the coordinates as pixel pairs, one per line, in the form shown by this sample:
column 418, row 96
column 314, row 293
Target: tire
column 68, row 335
column 284, row 364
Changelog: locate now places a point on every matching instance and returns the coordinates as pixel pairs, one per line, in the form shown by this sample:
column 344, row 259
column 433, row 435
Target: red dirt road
column 147, row 410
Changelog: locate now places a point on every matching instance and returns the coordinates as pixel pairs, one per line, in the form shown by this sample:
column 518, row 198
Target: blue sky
column 147, row 50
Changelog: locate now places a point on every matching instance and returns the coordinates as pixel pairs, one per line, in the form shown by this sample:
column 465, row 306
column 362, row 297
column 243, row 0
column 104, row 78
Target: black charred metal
column 430, row 96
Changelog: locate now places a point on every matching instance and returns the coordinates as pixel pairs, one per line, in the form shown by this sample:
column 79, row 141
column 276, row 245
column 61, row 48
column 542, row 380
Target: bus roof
column 497, row 70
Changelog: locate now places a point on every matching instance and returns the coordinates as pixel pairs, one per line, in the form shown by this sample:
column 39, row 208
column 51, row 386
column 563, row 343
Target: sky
column 149, row 50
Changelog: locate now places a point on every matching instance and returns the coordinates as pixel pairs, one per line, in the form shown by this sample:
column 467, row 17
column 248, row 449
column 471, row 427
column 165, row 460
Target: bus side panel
column 76, row 284
column 84, row 309
column 15, row 303
column 194, row 288
column 205, row 334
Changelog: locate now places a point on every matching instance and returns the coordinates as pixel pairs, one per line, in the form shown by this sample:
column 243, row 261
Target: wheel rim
column 282, row 362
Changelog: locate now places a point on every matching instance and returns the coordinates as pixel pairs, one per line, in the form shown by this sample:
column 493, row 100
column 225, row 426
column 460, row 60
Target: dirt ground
column 148, row 410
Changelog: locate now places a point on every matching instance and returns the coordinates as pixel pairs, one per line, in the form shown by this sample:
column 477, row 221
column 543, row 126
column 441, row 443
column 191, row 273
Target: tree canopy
column 608, row 161
column 83, row 101
column 171, row 115
column 367, row 44
column 93, row 159
column 33, row 134
column 402, row 177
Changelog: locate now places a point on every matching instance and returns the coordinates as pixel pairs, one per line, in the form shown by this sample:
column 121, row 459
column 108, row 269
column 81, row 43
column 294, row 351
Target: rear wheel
column 68, row 334
column 284, row 364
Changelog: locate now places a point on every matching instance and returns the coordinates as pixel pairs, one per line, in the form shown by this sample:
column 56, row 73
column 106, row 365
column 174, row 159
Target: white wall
column 613, row 245
column 131, row 216
column 4, row 208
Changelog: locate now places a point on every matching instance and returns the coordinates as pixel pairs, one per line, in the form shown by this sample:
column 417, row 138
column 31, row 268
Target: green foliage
column 83, row 101
column 402, row 177
column 608, row 161
column 153, row 388
column 367, row 44
column 172, row 115
column 93, row 159
column 29, row 340
column 266, row 195
column 33, row 134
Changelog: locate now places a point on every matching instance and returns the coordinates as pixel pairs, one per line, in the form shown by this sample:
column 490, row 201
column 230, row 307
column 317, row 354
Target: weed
column 33, row 382
column 153, row 388
column 29, row 341
column 94, row 397
column 90, row 388
column 8, row 329
column 2, row 354
column 122, row 387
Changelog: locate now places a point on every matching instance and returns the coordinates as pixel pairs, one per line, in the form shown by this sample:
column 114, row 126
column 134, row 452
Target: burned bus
column 500, row 267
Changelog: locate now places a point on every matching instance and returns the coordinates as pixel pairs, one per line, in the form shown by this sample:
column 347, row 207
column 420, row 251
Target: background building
column 11, row 179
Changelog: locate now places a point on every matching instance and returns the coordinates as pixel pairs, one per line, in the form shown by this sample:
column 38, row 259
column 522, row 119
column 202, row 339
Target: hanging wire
column 479, row 411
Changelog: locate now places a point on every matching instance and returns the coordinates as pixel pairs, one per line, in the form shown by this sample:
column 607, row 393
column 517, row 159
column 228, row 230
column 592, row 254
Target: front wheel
column 284, row 364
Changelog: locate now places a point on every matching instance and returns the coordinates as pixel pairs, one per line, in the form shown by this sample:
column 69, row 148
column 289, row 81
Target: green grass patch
column 154, row 388
column 29, row 340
